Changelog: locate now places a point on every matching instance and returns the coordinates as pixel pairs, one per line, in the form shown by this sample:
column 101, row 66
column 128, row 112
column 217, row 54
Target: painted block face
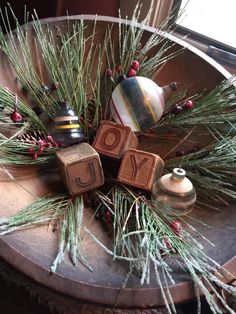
column 140, row 169
column 113, row 139
column 81, row 168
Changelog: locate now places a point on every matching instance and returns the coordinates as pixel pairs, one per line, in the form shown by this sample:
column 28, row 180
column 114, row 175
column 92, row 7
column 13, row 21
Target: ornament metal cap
column 178, row 174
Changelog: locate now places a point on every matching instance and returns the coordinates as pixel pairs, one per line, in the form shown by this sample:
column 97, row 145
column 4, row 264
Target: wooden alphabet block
column 113, row 139
column 81, row 168
column 140, row 169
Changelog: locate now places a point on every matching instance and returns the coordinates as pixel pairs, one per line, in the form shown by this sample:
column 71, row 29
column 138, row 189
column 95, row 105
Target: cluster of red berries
column 40, row 145
column 134, row 67
column 176, row 109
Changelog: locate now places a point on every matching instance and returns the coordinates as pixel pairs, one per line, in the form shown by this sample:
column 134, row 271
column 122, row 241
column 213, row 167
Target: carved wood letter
column 81, row 168
column 92, row 176
column 136, row 167
column 140, row 169
column 113, row 139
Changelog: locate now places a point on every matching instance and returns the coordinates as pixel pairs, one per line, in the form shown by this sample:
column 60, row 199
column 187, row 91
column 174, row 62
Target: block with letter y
column 140, row 169
column 81, row 168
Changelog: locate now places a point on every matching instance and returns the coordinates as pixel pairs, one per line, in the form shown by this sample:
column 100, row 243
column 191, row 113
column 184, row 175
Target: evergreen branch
column 8, row 103
column 153, row 240
column 17, row 46
column 70, row 234
column 213, row 110
column 42, row 211
column 15, row 152
column 75, row 63
column 212, row 170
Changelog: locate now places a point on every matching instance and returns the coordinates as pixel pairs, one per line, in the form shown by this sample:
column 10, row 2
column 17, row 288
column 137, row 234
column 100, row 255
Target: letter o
column 105, row 142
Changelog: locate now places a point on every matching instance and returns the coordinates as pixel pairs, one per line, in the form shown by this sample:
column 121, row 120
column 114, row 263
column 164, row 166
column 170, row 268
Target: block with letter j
column 81, row 168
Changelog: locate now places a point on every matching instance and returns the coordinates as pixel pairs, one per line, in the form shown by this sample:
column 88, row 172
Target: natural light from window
column 212, row 18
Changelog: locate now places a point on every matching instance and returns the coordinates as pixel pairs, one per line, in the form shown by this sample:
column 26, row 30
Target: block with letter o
column 113, row 139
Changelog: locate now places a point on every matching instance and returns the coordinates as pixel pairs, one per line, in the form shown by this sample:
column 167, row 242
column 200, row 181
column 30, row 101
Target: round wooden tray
column 32, row 251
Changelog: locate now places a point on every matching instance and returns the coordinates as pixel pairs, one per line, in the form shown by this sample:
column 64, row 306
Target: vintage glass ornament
column 67, row 130
column 139, row 102
column 175, row 191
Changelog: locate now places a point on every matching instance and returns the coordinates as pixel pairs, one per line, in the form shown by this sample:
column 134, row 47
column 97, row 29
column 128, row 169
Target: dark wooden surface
column 32, row 251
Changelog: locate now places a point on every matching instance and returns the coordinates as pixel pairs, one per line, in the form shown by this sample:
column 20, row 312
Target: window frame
column 199, row 38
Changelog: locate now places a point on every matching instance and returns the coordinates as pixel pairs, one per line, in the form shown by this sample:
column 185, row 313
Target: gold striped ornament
column 139, row 102
column 67, row 130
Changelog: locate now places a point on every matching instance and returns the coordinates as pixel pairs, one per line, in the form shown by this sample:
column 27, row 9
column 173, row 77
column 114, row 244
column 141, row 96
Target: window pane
column 214, row 19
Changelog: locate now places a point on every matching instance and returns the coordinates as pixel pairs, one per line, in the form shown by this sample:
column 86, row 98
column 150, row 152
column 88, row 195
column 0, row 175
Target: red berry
column 188, row 104
column 51, row 140
column 41, row 143
column 131, row 72
column 109, row 72
column 30, row 150
column 108, row 214
column 41, row 149
column 176, row 226
column 176, row 109
column 98, row 215
column 16, row 116
column 35, row 156
column 135, row 65
column 82, row 119
column 180, row 152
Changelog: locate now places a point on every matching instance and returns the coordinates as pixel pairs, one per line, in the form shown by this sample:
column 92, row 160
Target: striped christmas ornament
column 138, row 102
column 67, row 130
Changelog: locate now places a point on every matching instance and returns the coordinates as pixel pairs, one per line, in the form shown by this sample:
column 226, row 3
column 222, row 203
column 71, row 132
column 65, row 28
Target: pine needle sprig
column 144, row 233
column 8, row 100
column 213, row 110
column 212, row 170
column 70, row 234
column 151, row 53
column 76, row 63
column 18, row 46
column 42, row 211
column 17, row 153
